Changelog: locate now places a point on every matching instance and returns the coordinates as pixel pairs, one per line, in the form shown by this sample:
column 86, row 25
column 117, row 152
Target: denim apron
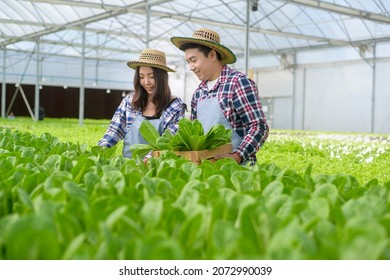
column 133, row 135
column 209, row 113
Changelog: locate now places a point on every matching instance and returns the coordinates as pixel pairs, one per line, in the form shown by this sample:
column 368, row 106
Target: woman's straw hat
column 151, row 58
column 208, row 38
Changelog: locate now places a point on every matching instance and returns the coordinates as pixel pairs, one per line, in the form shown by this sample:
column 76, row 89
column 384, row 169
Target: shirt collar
column 222, row 78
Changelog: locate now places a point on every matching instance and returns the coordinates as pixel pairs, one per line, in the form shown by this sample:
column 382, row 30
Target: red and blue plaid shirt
column 240, row 103
column 125, row 115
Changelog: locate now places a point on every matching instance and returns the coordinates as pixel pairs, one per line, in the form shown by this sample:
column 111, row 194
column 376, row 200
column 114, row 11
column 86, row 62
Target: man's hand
column 234, row 156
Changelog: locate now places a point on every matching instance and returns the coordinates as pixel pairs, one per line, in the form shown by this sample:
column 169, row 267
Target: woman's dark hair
column 162, row 94
column 205, row 50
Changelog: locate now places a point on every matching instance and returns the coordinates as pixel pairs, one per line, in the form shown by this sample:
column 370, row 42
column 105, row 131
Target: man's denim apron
column 209, row 113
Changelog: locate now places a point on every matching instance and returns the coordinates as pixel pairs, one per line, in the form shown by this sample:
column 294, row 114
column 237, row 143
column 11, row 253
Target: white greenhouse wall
column 338, row 98
column 299, row 99
column 277, row 86
column 382, row 98
column 349, row 96
column 282, row 112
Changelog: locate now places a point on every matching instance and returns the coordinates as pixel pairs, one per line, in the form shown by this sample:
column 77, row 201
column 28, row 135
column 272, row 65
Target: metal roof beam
column 241, row 27
column 88, row 29
column 176, row 17
column 139, row 9
column 94, row 5
column 341, row 10
column 84, row 4
column 29, row 23
column 48, row 54
column 80, row 22
column 306, row 48
column 89, row 47
column 183, row 18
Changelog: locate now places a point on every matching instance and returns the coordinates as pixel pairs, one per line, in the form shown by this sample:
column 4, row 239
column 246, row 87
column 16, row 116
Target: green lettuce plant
column 189, row 137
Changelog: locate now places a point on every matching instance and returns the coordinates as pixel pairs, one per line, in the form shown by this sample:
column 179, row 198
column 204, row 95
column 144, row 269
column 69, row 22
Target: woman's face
column 147, row 80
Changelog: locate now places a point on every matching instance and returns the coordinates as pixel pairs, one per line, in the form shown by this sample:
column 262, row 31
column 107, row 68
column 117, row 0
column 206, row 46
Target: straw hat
column 208, row 38
column 151, row 58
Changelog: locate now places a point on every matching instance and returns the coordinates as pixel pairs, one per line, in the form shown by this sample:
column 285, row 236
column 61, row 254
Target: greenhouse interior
column 319, row 65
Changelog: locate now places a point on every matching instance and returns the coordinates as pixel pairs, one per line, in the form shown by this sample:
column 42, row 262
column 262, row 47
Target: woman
column 151, row 100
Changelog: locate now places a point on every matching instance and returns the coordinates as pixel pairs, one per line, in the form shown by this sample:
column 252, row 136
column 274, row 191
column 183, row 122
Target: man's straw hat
column 151, row 58
column 208, row 38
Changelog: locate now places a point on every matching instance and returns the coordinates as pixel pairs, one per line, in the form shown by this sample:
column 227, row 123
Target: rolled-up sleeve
column 254, row 128
column 173, row 113
column 117, row 127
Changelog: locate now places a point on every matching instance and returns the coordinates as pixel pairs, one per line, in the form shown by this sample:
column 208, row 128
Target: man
column 224, row 96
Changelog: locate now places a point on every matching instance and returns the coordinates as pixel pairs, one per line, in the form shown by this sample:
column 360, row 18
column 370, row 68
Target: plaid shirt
column 240, row 103
column 125, row 115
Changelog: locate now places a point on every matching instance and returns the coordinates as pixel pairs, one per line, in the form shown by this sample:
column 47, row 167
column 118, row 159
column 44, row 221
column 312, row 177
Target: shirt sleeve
column 173, row 113
column 246, row 102
column 193, row 107
column 117, row 127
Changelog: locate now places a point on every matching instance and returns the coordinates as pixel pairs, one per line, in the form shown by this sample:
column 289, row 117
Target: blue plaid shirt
column 240, row 103
column 125, row 115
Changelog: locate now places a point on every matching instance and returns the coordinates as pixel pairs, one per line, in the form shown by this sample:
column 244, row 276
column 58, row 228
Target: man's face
column 201, row 65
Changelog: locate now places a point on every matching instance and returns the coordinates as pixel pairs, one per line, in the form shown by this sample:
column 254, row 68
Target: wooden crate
column 198, row 156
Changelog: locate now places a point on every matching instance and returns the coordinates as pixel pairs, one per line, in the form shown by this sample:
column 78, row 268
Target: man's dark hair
column 205, row 50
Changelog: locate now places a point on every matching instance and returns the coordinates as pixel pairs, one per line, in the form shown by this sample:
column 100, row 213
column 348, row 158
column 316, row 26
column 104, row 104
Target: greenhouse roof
column 118, row 28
